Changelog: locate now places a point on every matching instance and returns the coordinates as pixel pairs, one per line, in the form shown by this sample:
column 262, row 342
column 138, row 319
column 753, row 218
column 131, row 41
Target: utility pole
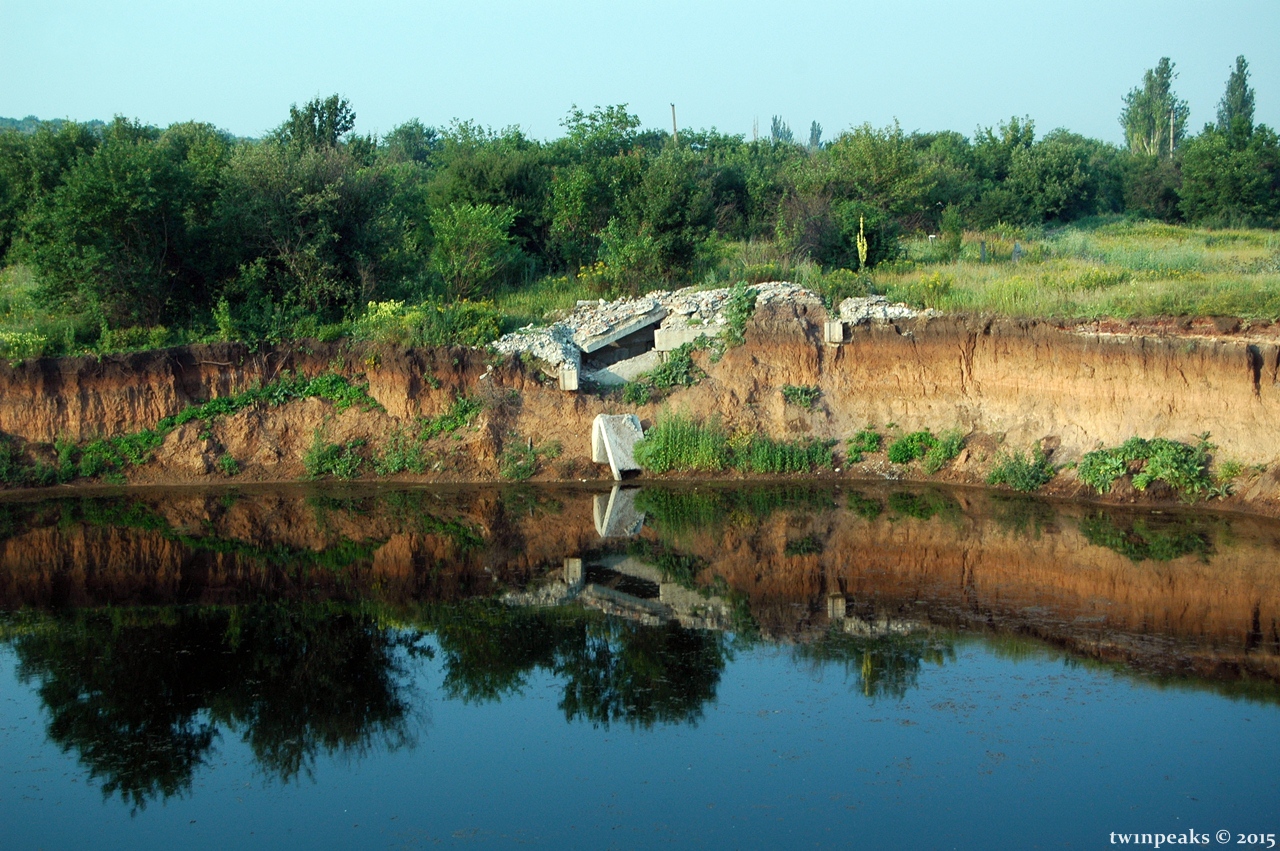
column 1171, row 111
column 675, row 131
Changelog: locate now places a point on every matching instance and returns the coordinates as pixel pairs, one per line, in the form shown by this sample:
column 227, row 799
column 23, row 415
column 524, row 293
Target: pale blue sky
column 240, row 63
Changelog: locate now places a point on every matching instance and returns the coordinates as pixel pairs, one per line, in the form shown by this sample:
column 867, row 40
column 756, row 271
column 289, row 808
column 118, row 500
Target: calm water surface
column 712, row 667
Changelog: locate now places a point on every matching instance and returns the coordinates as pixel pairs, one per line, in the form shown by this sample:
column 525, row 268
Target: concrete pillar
column 569, row 377
column 833, row 332
column 835, row 607
column 573, row 572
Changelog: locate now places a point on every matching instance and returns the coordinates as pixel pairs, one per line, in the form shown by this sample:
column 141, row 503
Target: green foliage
column 342, row 460
column 1152, row 111
column 228, row 465
column 807, row 546
column 767, row 456
column 802, row 396
column 909, row 447
column 866, row 441
column 1185, row 468
column 738, row 310
column 1022, row 473
column 868, row 508
column 923, row 506
column 473, row 247
column 943, row 450
column 1157, row 539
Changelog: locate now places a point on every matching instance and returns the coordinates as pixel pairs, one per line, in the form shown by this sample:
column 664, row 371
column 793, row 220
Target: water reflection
column 154, row 624
column 141, row 696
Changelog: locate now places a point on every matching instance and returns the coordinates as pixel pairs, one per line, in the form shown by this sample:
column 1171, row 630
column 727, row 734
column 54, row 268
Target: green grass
column 109, row 457
column 1098, row 268
column 679, row 443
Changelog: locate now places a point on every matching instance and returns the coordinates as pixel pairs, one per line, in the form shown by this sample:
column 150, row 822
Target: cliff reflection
column 297, row 619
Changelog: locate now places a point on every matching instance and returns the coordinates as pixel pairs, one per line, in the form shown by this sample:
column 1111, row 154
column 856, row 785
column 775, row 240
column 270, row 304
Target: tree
column 1235, row 111
column 473, row 247
column 780, row 133
column 1154, row 119
column 319, row 124
column 126, row 236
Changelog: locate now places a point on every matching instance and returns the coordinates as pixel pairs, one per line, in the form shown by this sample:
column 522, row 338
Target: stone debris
column 877, row 308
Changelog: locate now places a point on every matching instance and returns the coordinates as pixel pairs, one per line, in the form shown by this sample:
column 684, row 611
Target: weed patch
column 341, row 460
column 909, row 447
column 864, row 442
column 943, row 450
column 1022, row 473
column 1185, row 468
column 802, row 395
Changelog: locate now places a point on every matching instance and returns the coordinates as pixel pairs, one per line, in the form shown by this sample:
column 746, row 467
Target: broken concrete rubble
column 610, row 342
column 877, row 308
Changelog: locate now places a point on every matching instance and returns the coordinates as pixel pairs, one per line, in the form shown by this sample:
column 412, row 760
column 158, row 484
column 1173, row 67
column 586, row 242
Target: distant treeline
column 130, row 225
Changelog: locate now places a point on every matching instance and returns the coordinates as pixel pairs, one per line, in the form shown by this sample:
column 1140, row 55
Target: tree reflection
column 614, row 670
column 140, row 695
column 882, row 665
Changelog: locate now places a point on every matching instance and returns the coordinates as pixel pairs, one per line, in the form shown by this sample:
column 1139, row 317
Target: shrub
column 864, row 506
column 1183, row 467
column 18, row 346
column 228, row 465
column 866, row 441
column 942, row 451
column 909, row 447
column 333, row 459
column 1022, row 473
column 738, row 310
column 802, row 396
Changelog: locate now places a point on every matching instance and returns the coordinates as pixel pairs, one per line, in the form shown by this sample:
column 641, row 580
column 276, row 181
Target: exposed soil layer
column 1006, row 384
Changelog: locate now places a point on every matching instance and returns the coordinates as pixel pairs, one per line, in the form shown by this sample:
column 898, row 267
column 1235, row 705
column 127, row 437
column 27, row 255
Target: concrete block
column 833, row 331
column 594, row 342
column 836, row 607
column 616, row 515
column 627, row 370
column 613, row 441
column 669, row 339
column 573, row 572
column 569, row 377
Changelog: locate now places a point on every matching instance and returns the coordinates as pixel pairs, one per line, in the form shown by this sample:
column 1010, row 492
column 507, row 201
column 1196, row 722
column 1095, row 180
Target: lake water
column 721, row 666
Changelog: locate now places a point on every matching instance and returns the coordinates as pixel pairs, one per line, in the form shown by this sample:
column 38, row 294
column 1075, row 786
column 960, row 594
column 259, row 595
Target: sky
column 240, row 64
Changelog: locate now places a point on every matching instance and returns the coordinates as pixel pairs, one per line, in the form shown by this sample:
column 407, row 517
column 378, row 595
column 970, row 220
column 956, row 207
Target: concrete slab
column 671, row 338
column 613, row 441
column 616, row 515
column 569, row 377
column 833, row 332
column 594, row 342
column 626, row 370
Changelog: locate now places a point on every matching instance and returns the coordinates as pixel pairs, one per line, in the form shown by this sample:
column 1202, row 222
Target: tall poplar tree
column 1154, row 119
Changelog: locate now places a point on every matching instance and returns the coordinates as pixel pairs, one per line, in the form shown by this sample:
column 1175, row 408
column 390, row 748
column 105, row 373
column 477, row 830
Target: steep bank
column 1006, row 384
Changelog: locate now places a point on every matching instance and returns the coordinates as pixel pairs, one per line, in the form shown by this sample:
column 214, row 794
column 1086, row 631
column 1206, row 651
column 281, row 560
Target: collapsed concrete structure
column 607, row 343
